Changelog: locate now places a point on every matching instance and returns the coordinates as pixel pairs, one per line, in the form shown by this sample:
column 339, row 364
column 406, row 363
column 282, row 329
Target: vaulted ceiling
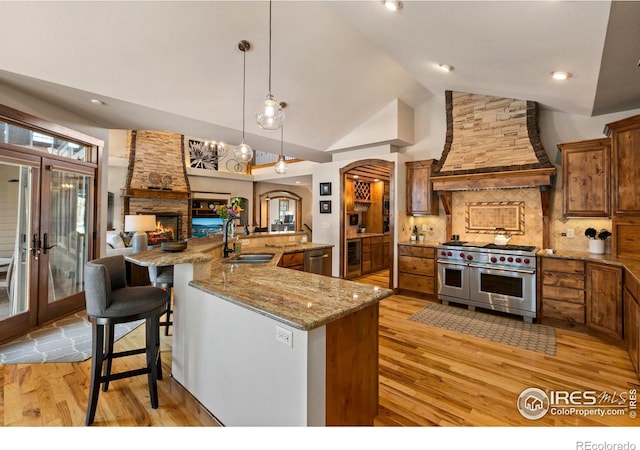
column 176, row 65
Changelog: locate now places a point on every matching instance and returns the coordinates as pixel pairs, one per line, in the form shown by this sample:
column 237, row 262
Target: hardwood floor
column 428, row 376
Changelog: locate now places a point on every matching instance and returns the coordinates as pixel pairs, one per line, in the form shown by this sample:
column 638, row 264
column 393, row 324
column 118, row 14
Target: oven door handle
column 446, row 263
column 478, row 266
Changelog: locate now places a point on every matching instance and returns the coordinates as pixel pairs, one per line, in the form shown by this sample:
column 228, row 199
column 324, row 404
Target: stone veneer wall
column 162, row 153
column 490, row 134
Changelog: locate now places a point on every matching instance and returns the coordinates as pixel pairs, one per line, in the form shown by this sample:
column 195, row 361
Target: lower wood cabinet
column 417, row 269
column 632, row 319
column 293, row 261
column 604, row 300
column 562, row 288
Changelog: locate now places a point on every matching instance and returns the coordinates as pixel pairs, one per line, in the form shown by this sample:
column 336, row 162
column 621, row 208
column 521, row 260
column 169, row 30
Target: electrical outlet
column 424, row 227
column 570, row 233
column 284, row 336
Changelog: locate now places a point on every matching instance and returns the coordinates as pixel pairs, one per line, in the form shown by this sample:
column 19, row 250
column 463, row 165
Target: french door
column 46, row 223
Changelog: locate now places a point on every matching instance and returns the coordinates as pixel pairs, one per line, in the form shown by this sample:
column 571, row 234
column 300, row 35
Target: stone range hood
column 491, row 143
column 156, row 181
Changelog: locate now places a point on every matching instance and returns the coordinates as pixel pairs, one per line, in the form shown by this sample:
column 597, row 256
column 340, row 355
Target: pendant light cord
column 282, row 141
column 269, row 46
column 244, row 82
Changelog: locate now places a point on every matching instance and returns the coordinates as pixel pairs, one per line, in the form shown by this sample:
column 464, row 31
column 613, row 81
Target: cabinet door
column 421, row 200
column 625, row 149
column 585, row 178
column 604, row 299
column 631, row 332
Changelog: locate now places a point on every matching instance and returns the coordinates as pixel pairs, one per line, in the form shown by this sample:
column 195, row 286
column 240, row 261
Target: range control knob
column 469, row 257
column 518, row 260
column 526, row 261
column 502, row 258
column 510, row 259
column 449, row 253
column 494, row 259
column 461, row 255
column 443, row 253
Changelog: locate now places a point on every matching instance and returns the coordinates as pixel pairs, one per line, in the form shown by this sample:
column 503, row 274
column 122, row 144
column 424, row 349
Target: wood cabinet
column 417, row 269
column 387, row 256
column 293, row 261
column 562, row 289
column 632, row 319
column 604, row 300
column 421, row 200
column 586, row 184
column 625, row 157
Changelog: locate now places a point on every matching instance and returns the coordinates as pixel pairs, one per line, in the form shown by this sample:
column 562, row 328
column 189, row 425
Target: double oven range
column 497, row 277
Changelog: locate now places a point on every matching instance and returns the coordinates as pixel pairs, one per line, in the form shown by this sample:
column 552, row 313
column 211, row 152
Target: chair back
column 101, row 277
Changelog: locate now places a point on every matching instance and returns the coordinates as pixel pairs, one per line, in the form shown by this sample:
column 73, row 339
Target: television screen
column 205, row 226
column 288, row 218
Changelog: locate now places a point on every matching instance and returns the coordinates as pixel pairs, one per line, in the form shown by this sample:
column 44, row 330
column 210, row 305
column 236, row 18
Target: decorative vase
column 596, row 246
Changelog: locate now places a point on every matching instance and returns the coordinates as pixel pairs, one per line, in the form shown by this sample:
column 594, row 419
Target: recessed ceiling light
column 559, row 75
column 356, row 176
column 393, row 6
column 95, row 101
column 446, row 67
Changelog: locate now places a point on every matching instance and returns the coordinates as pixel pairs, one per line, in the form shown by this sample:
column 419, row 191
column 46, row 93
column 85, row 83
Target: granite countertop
column 364, row 235
column 420, row 243
column 300, row 299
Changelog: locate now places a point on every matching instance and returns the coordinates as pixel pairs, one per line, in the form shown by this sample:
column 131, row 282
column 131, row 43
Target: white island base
column 231, row 359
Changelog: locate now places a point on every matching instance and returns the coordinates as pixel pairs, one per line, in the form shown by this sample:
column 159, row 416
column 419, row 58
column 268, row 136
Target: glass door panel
column 65, row 243
column 18, row 233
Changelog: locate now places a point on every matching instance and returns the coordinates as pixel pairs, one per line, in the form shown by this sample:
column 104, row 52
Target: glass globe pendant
column 271, row 114
column 243, row 152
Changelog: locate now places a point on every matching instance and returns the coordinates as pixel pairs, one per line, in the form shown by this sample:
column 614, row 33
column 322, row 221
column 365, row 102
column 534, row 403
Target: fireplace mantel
column 154, row 193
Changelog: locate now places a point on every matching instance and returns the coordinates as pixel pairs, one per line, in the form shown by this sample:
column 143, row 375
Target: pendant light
column 271, row 115
column 281, row 165
column 243, row 152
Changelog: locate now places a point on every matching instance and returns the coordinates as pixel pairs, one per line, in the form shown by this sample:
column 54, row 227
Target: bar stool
column 110, row 301
column 162, row 277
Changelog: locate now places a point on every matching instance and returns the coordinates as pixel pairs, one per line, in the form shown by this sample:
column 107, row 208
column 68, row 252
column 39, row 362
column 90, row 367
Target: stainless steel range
column 497, row 277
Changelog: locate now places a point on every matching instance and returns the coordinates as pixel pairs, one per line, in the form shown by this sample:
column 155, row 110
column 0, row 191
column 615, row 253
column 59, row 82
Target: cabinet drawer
column 559, row 279
column 563, row 265
column 631, row 284
column 418, row 266
column 571, row 312
column 375, row 240
column 420, row 252
column 293, row 259
column 417, row 283
column 563, row 294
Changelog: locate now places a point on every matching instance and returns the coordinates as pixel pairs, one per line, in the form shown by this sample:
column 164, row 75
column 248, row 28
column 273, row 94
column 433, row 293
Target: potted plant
column 596, row 240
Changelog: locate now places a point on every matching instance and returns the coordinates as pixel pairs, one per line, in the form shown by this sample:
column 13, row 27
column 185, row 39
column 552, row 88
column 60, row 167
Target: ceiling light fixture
column 446, row 67
column 243, row 152
column 271, row 116
column 281, row 165
column 559, row 75
column 393, row 6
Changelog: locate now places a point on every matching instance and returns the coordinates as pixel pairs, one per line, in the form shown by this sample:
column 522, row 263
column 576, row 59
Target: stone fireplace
column 157, row 182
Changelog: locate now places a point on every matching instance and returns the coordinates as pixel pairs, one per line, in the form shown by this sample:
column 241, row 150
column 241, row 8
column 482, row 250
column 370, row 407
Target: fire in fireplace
column 168, row 228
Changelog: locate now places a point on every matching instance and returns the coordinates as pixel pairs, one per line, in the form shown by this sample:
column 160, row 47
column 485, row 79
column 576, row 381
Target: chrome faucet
column 226, row 251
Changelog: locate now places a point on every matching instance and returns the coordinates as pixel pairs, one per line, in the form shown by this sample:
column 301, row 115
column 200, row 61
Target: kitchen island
column 261, row 345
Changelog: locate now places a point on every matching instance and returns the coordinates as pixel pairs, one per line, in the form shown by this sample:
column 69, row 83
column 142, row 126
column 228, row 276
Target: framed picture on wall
column 325, row 189
column 325, row 206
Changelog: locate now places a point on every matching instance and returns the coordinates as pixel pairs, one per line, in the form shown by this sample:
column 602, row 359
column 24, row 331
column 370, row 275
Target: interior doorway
column 367, row 216
column 280, row 211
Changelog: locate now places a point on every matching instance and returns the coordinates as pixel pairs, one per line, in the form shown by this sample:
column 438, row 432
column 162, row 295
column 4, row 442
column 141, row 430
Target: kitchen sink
column 251, row 258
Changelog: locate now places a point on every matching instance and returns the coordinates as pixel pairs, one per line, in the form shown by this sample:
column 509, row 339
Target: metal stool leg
column 109, row 335
column 97, row 358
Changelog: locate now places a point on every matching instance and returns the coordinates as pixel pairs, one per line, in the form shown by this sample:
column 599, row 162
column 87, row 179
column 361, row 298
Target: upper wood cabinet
column 625, row 156
column 585, row 178
column 421, row 200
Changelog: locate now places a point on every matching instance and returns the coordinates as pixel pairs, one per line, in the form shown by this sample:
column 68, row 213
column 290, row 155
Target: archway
column 280, row 211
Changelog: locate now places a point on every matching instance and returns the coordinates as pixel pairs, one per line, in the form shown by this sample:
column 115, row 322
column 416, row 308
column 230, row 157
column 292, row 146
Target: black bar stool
column 162, row 277
column 110, row 301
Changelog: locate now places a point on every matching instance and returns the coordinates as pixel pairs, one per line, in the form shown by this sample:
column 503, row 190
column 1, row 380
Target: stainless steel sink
column 251, row 258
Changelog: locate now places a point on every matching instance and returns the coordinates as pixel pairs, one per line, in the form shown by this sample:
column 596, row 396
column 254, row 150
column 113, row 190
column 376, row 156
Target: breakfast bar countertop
column 302, row 300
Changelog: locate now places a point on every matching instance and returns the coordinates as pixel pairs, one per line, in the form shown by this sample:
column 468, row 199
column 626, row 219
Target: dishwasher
column 318, row 261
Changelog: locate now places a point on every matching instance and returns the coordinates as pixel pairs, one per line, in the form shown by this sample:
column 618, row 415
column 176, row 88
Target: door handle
column 35, row 246
column 46, row 247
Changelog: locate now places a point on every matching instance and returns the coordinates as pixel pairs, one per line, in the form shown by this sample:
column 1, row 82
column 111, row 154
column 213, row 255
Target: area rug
column 505, row 330
column 66, row 340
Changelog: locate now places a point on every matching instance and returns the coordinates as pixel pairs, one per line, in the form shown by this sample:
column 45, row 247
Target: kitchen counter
column 420, row 243
column 262, row 345
column 364, row 235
